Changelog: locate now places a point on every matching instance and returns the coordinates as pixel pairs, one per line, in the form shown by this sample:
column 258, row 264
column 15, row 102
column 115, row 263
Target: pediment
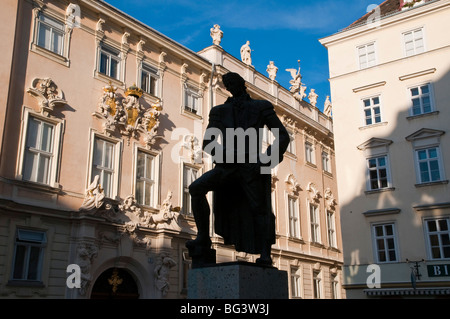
column 374, row 142
column 424, row 133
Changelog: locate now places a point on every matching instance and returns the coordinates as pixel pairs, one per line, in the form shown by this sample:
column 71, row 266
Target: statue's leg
column 200, row 248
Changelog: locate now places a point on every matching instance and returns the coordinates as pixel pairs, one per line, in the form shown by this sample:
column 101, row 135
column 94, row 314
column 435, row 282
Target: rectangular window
column 334, row 287
column 294, row 223
column 438, row 231
column 429, row 164
column 103, row 165
column 291, row 145
column 372, row 110
column 378, row 173
column 50, row 34
column 331, row 225
column 28, row 254
column 309, row 153
column 149, row 80
column 326, row 165
column 145, row 179
column 314, row 223
column 366, row 55
column 385, row 243
column 296, row 283
column 317, row 285
column 421, row 99
column 191, row 101
column 190, row 174
column 39, row 151
column 414, row 42
column 109, row 62
column 186, row 266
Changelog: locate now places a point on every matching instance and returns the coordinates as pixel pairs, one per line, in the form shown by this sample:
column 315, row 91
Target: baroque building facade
column 391, row 111
column 102, row 120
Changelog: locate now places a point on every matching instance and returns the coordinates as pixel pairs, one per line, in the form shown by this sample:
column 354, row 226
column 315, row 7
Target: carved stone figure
column 246, row 53
column 242, row 194
column 86, row 253
column 94, row 196
column 296, row 79
column 216, row 34
column 327, row 108
column 272, row 70
column 162, row 269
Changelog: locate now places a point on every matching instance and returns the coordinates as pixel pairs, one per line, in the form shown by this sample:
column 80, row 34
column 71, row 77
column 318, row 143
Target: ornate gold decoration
column 115, row 280
column 127, row 115
column 134, row 91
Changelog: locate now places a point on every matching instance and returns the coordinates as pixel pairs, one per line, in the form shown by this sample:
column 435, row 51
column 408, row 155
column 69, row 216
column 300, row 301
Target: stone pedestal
column 237, row 280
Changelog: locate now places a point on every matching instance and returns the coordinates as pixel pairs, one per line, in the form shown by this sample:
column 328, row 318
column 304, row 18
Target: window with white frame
column 104, row 164
column 334, row 286
column 314, row 220
column 421, row 99
column 331, row 229
column 378, row 173
column 50, row 34
column 429, row 166
column 310, row 153
column 40, row 149
column 109, row 62
column 296, row 282
column 192, row 101
column 414, row 42
column 190, row 174
column 372, row 110
column 146, row 175
column 149, row 80
column 366, row 55
column 28, row 254
column 294, row 221
column 291, row 145
column 385, row 243
column 438, row 233
column 326, row 163
column 317, row 285
column 186, row 266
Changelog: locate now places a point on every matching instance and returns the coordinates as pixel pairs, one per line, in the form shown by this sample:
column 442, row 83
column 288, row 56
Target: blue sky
column 280, row 31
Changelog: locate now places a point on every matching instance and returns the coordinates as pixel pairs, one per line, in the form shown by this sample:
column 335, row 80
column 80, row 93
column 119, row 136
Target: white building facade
column 389, row 75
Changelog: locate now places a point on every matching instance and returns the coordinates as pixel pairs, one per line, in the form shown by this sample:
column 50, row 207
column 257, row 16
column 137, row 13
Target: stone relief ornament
column 167, row 217
column 194, row 148
column 129, row 213
column 48, row 95
column 127, row 115
column 330, row 201
column 163, row 265
column 314, row 193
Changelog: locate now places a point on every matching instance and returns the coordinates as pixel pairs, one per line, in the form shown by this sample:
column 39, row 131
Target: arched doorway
column 115, row 283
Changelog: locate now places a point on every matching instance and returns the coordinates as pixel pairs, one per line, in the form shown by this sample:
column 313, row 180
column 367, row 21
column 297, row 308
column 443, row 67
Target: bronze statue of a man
column 240, row 179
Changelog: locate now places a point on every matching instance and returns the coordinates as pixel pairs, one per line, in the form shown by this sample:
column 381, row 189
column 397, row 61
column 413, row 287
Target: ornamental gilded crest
column 127, row 115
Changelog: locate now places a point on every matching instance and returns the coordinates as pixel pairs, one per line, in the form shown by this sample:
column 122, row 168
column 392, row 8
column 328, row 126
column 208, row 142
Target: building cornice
column 383, row 22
